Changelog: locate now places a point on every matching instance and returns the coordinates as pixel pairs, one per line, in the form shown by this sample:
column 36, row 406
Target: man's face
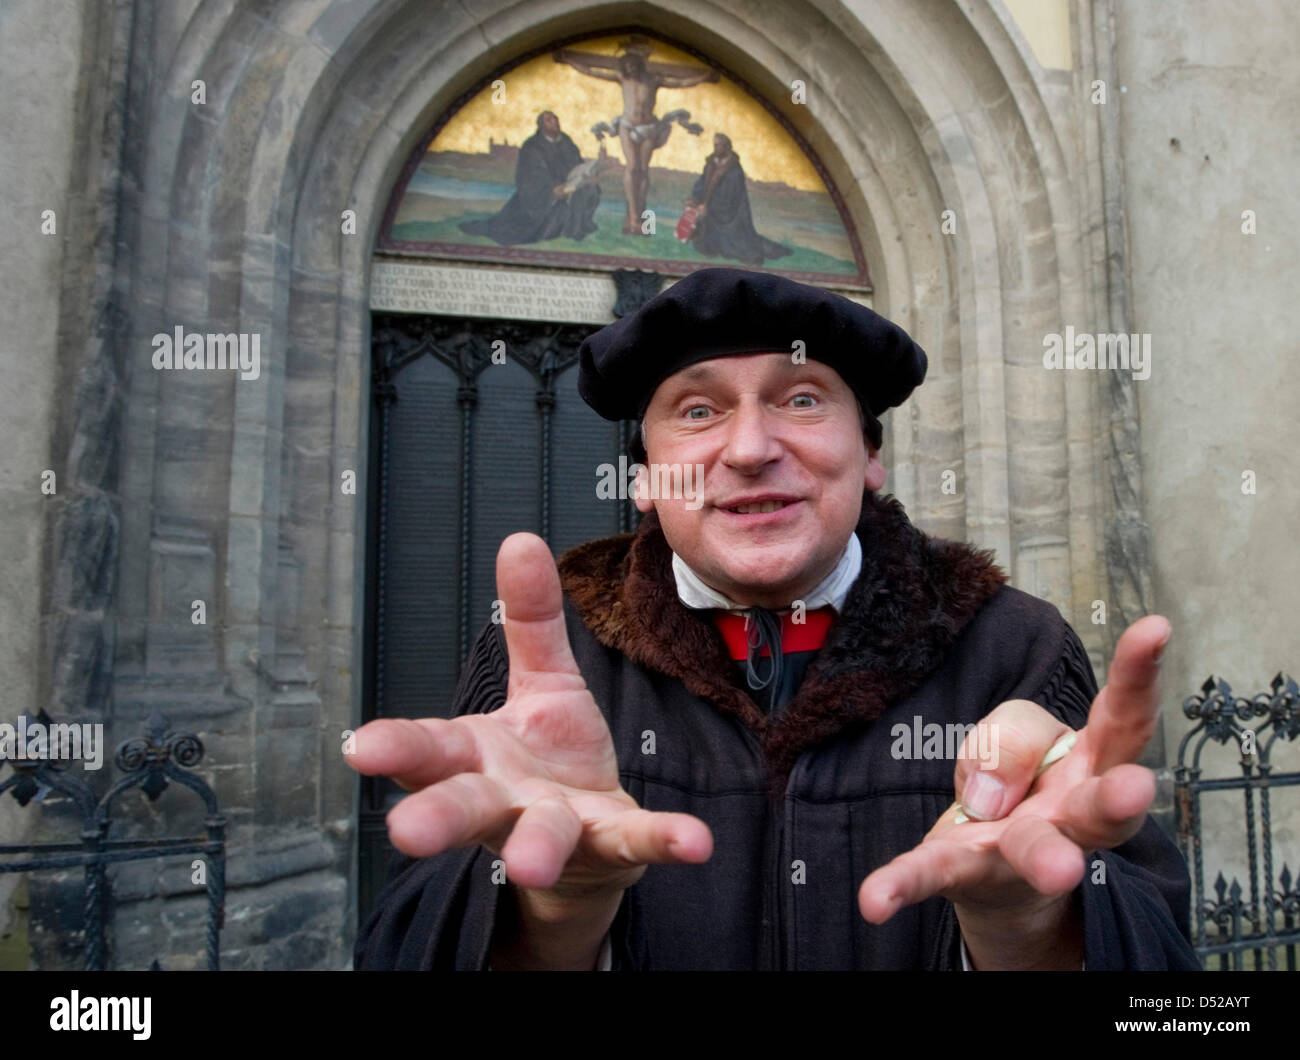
column 770, row 434
column 720, row 147
column 550, row 124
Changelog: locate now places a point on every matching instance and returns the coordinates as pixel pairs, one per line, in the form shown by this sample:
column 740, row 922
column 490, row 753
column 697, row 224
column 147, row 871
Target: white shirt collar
column 830, row 591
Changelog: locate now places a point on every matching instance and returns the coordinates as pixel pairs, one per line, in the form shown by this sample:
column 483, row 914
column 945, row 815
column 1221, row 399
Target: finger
column 647, row 837
column 1041, row 856
column 1124, row 714
column 464, row 810
column 536, row 640
column 936, row 867
column 1000, row 758
column 541, row 842
column 414, row 753
column 1106, row 811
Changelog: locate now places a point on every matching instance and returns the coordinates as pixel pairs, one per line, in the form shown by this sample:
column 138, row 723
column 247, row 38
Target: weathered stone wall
column 1209, row 124
column 40, row 61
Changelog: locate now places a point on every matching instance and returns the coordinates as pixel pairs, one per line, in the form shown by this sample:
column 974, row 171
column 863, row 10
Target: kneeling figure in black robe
column 535, row 212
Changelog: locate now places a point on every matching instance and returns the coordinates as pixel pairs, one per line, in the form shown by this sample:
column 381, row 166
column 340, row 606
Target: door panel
column 464, row 452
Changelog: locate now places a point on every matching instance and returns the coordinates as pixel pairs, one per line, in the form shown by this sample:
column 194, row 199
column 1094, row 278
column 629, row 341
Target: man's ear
column 875, row 476
column 641, row 492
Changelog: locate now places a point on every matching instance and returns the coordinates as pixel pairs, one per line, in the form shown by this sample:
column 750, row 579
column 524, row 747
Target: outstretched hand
column 535, row 781
column 1009, row 869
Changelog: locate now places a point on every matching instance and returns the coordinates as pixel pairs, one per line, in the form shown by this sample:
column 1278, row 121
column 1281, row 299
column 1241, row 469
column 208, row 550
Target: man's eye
column 702, row 409
column 811, row 401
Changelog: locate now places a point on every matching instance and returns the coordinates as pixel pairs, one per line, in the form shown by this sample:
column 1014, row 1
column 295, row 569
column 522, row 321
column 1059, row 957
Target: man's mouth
column 758, row 507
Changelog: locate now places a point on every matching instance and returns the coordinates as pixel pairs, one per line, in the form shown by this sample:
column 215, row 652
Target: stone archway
column 232, row 211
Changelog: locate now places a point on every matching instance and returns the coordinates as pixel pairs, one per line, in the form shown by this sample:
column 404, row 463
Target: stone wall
column 1209, row 124
column 40, row 59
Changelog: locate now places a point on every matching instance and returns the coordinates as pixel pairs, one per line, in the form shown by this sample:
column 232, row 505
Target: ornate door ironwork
column 477, row 432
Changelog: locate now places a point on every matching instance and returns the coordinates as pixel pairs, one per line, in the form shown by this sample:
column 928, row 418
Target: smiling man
column 677, row 750
column 785, row 458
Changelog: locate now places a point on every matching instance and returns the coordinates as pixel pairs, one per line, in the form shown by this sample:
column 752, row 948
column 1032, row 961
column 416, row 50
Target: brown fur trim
column 623, row 589
column 912, row 598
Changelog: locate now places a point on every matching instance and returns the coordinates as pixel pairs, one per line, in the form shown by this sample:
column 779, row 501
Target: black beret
column 718, row 312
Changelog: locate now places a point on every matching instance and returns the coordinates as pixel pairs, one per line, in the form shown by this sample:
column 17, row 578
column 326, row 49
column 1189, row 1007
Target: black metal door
column 465, row 449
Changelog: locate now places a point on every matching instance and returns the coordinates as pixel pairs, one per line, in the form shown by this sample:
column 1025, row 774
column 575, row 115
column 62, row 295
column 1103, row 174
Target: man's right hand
column 535, row 781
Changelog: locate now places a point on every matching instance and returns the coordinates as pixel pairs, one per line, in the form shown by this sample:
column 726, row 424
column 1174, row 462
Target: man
column 543, row 206
column 633, row 782
column 724, row 224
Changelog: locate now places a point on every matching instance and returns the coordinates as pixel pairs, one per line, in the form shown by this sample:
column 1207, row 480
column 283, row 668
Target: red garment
column 808, row 635
column 686, row 226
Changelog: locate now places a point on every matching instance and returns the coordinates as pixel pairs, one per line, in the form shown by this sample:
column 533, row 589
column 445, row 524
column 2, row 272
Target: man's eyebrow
column 696, row 373
column 691, row 378
column 703, row 373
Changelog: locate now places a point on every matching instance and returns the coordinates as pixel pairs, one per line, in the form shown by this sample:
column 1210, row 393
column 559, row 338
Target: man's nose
column 751, row 438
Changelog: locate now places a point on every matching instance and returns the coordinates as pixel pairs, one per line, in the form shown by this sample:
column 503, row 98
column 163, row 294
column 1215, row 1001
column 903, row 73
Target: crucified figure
column 637, row 128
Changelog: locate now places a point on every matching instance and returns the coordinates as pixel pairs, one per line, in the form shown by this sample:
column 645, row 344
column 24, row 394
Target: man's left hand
column 1011, row 869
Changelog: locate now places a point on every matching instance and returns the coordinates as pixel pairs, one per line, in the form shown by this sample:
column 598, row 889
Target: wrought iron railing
column 149, row 762
column 1261, row 919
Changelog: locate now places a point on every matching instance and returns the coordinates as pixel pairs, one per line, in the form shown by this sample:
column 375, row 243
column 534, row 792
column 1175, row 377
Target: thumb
column 528, row 586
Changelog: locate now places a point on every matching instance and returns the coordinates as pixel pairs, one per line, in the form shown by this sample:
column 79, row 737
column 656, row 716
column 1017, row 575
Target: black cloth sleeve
column 1134, row 897
column 438, row 913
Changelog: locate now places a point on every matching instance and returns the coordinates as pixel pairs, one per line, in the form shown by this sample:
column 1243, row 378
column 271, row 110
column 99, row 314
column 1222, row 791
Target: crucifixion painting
column 638, row 129
column 622, row 152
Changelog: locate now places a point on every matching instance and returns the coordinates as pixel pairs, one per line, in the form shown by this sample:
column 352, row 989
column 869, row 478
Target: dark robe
column 928, row 629
column 727, row 228
column 533, row 212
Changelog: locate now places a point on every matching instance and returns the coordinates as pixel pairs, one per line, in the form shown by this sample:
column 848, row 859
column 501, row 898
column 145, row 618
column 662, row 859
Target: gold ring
column 1055, row 753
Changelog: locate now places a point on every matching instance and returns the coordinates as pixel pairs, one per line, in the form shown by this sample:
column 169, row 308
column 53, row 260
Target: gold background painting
column 460, row 189
column 580, row 102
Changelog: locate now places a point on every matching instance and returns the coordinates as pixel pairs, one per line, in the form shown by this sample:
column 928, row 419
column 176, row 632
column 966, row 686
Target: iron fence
column 1261, row 918
column 149, row 762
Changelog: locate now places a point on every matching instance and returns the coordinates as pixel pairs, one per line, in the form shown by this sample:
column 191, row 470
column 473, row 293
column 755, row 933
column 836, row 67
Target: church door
column 477, row 431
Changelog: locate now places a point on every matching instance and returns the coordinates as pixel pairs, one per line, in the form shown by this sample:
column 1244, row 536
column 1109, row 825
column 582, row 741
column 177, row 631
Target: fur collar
column 912, row 598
